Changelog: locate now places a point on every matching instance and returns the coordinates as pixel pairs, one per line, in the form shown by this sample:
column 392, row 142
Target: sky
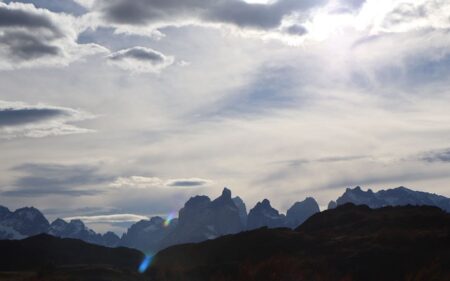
column 117, row 110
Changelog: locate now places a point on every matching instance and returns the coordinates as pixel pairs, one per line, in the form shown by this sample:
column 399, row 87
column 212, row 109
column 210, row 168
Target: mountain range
column 347, row 243
column 400, row 196
column 203, row 219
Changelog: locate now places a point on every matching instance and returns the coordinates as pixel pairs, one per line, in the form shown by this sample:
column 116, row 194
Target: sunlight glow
column 145, row 264
column 169, row 218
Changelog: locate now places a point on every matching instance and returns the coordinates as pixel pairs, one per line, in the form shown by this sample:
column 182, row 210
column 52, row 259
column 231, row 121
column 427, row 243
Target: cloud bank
column 149, row 182
column 116, row 218
column 31, row 37
column 18, row 119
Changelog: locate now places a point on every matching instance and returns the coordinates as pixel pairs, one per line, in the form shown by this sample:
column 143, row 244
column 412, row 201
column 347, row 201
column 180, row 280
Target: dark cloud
column 187, row 182
column 20, row 116
column 140, row 59
column 27, row 34
column 436, row 156
column 175, row 12
column 31, row 36
column 27, row 46
column 84, row 211
column 21, row 120
column 296, row 29
column 23, row 18
column 332, row 159
column 55, row 179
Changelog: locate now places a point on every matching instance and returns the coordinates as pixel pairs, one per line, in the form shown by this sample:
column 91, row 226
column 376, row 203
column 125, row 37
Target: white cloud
column 137, row 182
column 109, row 218
column 152, row 182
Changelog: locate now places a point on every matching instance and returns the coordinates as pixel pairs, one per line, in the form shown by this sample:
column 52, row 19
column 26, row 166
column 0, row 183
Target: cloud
column 145, row 16
column 331, row 159
column 191, row 182
column 413, row 15
column 55, row 179
column 296, row 29
column 137, row 182
column 22, row 120
column 57, row 6
column 151, row 182
column 30, row 37
column 436, row 156
column 140, row 59
column 116, row 218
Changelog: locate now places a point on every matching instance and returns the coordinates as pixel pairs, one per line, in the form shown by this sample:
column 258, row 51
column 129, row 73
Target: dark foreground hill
column 344, row 244
column 44, row 257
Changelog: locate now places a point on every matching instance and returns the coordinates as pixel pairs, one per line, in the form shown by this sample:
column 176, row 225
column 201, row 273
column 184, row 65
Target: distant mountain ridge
column 202, row 219
column 29, row 221
column 400, row 196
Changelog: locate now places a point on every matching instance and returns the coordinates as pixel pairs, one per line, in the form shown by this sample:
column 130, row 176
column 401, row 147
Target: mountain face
column 146, row 235
column 301, row 211
column 264, row 215
column 399, row 196
column 4, row 212
column 242, row 210
column 202, row 219
column 27, row 221
column 347, row 243
column 77, row 230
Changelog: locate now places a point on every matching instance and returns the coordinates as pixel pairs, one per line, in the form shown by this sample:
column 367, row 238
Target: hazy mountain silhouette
column 263, row 214
column 76, row 229
column 399, row 196
column 202, row 218
column 147, row 235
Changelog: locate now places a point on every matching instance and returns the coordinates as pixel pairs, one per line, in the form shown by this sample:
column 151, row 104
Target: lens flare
column 169, row 218
column 145, row 264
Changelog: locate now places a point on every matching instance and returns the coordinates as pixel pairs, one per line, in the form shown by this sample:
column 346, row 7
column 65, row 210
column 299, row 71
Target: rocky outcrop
column 264, row 215
column 202, row 219
column 301, row 211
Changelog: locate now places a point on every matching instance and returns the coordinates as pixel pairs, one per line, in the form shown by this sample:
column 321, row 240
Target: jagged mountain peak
column 226, row 193
column 265, row 203
column 223, row 199
column 263, row 214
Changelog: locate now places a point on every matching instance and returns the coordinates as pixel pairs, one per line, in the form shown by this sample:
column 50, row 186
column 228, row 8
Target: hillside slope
column 44, row 257
column 347, row 243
